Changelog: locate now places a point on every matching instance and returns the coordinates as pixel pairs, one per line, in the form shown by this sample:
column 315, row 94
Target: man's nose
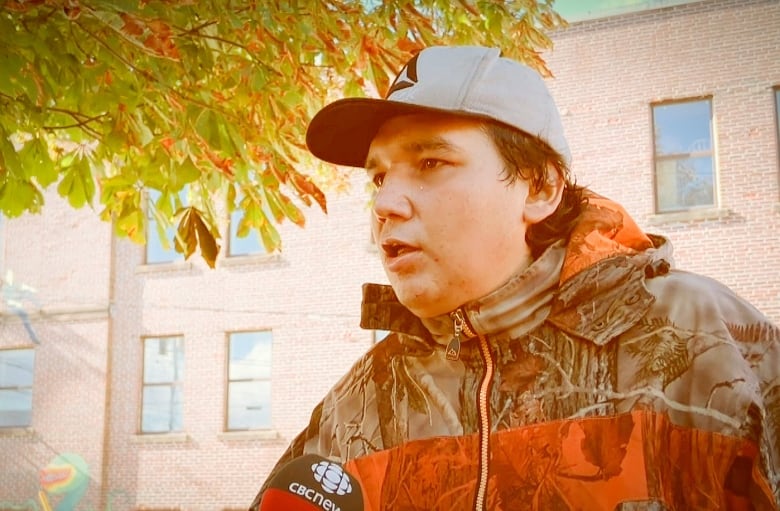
column 393, row 198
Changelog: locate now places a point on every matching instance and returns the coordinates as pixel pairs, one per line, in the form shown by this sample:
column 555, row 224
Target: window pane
column 162, row 409
column 162, row 397
column 777, row 111
column 249, row 385
column 16, row 368
column 249, row 244
column 250, row 355
column 156, row 252
column 684, row 170
column 685, row 183
column 249, row 405
column 15, row 408
column 163, row 360
column 380, row 334
column 682, row 128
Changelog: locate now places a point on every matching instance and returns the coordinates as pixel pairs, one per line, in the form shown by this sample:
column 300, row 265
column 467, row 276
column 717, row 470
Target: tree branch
column 196, row 32
column 116, row 54
column 130, row 40
column 82, row 121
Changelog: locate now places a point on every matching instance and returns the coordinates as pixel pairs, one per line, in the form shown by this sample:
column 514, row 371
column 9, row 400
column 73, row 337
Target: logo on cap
column 332, row 477
column 406, row 78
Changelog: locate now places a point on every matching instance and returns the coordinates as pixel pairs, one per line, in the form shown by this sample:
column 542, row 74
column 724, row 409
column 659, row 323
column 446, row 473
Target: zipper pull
column 453, row 348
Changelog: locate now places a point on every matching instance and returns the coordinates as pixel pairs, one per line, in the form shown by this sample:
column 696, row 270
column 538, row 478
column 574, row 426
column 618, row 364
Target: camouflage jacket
column 600, row 378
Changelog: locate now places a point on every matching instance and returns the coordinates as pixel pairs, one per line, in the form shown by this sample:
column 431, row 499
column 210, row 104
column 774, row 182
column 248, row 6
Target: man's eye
column 430, row 163
column 378, row 179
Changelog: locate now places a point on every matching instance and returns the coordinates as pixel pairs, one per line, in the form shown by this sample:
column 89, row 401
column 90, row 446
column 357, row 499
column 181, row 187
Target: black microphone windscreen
column 311, row 483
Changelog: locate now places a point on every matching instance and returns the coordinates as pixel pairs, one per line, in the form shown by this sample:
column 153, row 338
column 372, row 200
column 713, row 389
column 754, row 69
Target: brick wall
column 607, row 74
column 63, row 255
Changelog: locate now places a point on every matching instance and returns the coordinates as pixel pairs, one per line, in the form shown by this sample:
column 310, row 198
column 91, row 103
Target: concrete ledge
column 177, row 266
column 160, row 438
column 691, row 215
column 64, row 313
column 249, row 260
column 240, row 436
column 18, row 432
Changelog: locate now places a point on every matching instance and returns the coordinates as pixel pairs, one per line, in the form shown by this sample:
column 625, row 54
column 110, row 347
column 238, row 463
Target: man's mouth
column 394, row 248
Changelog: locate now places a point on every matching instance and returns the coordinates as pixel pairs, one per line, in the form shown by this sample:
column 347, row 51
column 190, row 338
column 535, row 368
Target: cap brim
column 342, row 132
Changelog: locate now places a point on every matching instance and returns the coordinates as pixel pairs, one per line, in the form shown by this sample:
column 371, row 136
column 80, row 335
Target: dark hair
column 528, row 157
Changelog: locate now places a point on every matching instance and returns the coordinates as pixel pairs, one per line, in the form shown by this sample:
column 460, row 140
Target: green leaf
column 273, row 205
column 77, row 184
column 34, row 158
column 10, row 68
column 292, row 211
column 18, row 196
column 131, row 225
column 145, row 135
column 270, row 237
column 205, row 126
column 182, row 174
column 9, row 158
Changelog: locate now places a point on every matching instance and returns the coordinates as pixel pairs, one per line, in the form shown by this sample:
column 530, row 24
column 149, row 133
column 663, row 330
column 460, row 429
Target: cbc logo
column 332, row 478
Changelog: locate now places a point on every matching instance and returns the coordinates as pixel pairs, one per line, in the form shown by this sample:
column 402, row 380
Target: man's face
column 450, row 230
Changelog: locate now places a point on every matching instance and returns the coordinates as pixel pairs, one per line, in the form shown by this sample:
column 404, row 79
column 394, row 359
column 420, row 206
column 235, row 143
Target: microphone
column 312, row 483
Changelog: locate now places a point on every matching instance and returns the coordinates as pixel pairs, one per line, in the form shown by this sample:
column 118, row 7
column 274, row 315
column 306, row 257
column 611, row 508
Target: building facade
column 130, row 379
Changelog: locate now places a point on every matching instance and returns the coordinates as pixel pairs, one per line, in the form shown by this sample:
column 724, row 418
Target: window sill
column 176, row 266
column 250, row 259
column 690, row 215
column 160, row 438
column 258, row 434
column 18, row 431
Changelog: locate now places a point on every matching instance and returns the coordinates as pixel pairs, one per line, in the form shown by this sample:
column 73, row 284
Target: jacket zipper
column 483, row 400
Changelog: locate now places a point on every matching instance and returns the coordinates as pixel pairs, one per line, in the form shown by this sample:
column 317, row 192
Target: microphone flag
column 312, row 483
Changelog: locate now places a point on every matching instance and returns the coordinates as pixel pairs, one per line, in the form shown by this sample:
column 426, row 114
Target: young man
column 544, row 354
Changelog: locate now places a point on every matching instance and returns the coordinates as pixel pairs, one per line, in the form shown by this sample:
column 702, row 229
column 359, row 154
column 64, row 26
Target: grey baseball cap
column 467, row 80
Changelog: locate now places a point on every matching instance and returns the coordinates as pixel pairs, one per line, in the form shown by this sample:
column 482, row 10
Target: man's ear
column 543, row 202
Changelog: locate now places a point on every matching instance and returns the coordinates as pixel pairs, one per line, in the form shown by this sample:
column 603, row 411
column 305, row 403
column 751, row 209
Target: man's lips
column 393, row 248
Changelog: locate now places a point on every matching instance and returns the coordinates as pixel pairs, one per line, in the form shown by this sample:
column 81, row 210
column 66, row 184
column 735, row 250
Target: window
column 158, row 251
column 16, row 382
column 241, row 246
column 163, row 377
column 777, row 114
column 378, row 335
column 249, row 380
column 251, row 243
column 684, row 165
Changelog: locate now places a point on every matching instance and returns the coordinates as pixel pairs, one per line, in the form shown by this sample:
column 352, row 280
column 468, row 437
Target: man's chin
column 419, row 302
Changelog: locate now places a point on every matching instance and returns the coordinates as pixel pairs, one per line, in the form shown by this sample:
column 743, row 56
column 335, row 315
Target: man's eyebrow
column 427, row 144
column 434, row 143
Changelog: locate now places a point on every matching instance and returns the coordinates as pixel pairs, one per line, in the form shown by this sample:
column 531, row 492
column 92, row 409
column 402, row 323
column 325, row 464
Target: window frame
column 20, row 388
column 776, row 94
column 378, row 336
column 152, row 194
column 233, row 240
column 174, row 384
column 229, row 380
column 710, row 153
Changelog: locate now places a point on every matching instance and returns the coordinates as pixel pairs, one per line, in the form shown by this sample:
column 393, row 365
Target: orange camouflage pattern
column 619, row 384
column 598, row 463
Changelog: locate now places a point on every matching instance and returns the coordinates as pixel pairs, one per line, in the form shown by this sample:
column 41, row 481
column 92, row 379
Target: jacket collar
column 593, row 287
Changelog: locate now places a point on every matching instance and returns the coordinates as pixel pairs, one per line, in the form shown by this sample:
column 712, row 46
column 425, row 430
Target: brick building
column 137, row 382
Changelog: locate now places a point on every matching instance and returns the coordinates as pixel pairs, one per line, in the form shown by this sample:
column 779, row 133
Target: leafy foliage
column 107, row 98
